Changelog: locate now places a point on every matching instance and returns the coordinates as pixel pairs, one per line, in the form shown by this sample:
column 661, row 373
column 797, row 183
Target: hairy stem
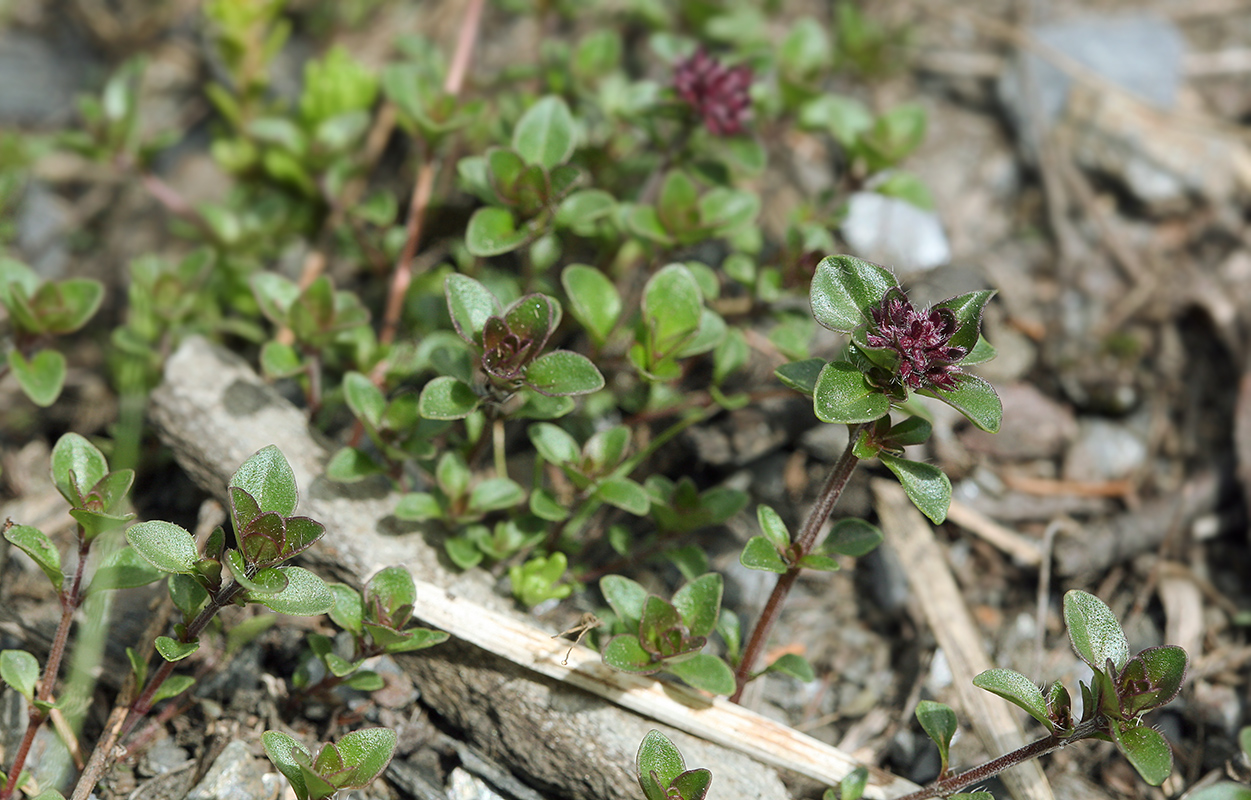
column 69, row 604
column 955, row 783
column 831, row 491
column 143, row 704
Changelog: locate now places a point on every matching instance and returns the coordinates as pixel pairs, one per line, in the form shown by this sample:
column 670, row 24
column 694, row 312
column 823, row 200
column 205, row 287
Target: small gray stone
column 235, row 775
column 38, row 82
column 895, row 232
column 464, row 786
column 1104, row 451
column 1142, row 54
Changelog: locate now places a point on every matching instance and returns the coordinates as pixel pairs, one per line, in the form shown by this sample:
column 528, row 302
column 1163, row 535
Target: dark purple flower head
column 920, row 339
column 717, row 93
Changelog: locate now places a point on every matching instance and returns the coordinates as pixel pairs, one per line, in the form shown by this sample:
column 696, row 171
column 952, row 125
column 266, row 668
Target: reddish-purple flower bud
column 717, row 93
column 920, row 339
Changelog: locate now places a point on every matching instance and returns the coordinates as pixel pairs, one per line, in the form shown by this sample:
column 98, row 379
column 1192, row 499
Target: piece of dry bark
column 214, row 411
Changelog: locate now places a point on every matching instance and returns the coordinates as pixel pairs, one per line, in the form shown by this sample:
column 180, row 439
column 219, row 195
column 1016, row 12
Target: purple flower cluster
column 716, row 92
column 921, row 340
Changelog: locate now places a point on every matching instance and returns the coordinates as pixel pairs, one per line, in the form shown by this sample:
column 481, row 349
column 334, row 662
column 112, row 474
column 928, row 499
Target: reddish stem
column 831, row 491
column 946, row 786
column 423, row 189
column 70, row 601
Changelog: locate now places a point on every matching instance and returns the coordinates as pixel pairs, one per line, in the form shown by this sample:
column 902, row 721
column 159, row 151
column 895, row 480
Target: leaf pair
column 675, row 324
column 262, row 496
column 351, row 763
column 43, row 308
column 663, row 635
column 596, row 468
column 525, row 181
column 1122, row 688
column 510, row 343
column 456, row 498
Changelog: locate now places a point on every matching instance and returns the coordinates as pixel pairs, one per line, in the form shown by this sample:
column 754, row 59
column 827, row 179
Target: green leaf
column 801, row 375
column 563, row 372
column 820, row 562
column 545, row 506
column 968, row 312
column 913, row 430
column 852, row 537
column 350, row 464
column 418, row 507
column 20, row 670
column 187, row 594
column 268, row 478
column 364, row 398
column 626, row 654
column 677, row 206
column 365, row 754
column 463, row 552
column 1224, row 790
column 447, row 398
column 583, row 208
column 65, row 306
column 773, row 527
column 452, row 475
column 1146, row 749
column 417, row 639
column 926, row 485
column 1017, row 689
column 347, row 611
column 554, row 443
column 41, row 378
column 266, row 581
column 77, row 466
column 705, row 671
column 982, row 352
column 283, row 752
column 975, row 399
column 626, row 597
column 124, row 568
column 306, row 595
column 470, row 305
column 606, row 449
column 794, row 665
column 365, row 681
column 693, row 784
column 173, row 686
column 545, row 133
column 35, row 544
column 698, row 603
column 853, row 784
column 658, row 763
column 392, row 589
column 494, row 494
column 843, row 395
column 625, row 494
column 761, row 554
column 1152, row 678
column 1094, row 631
column 174, row 650
column 593, row 299
column 164, row 545
column 672, row 308
column 1244, row 740
column 939, row 723
column 493, row 231
column 845, row 288
column 727, row 210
